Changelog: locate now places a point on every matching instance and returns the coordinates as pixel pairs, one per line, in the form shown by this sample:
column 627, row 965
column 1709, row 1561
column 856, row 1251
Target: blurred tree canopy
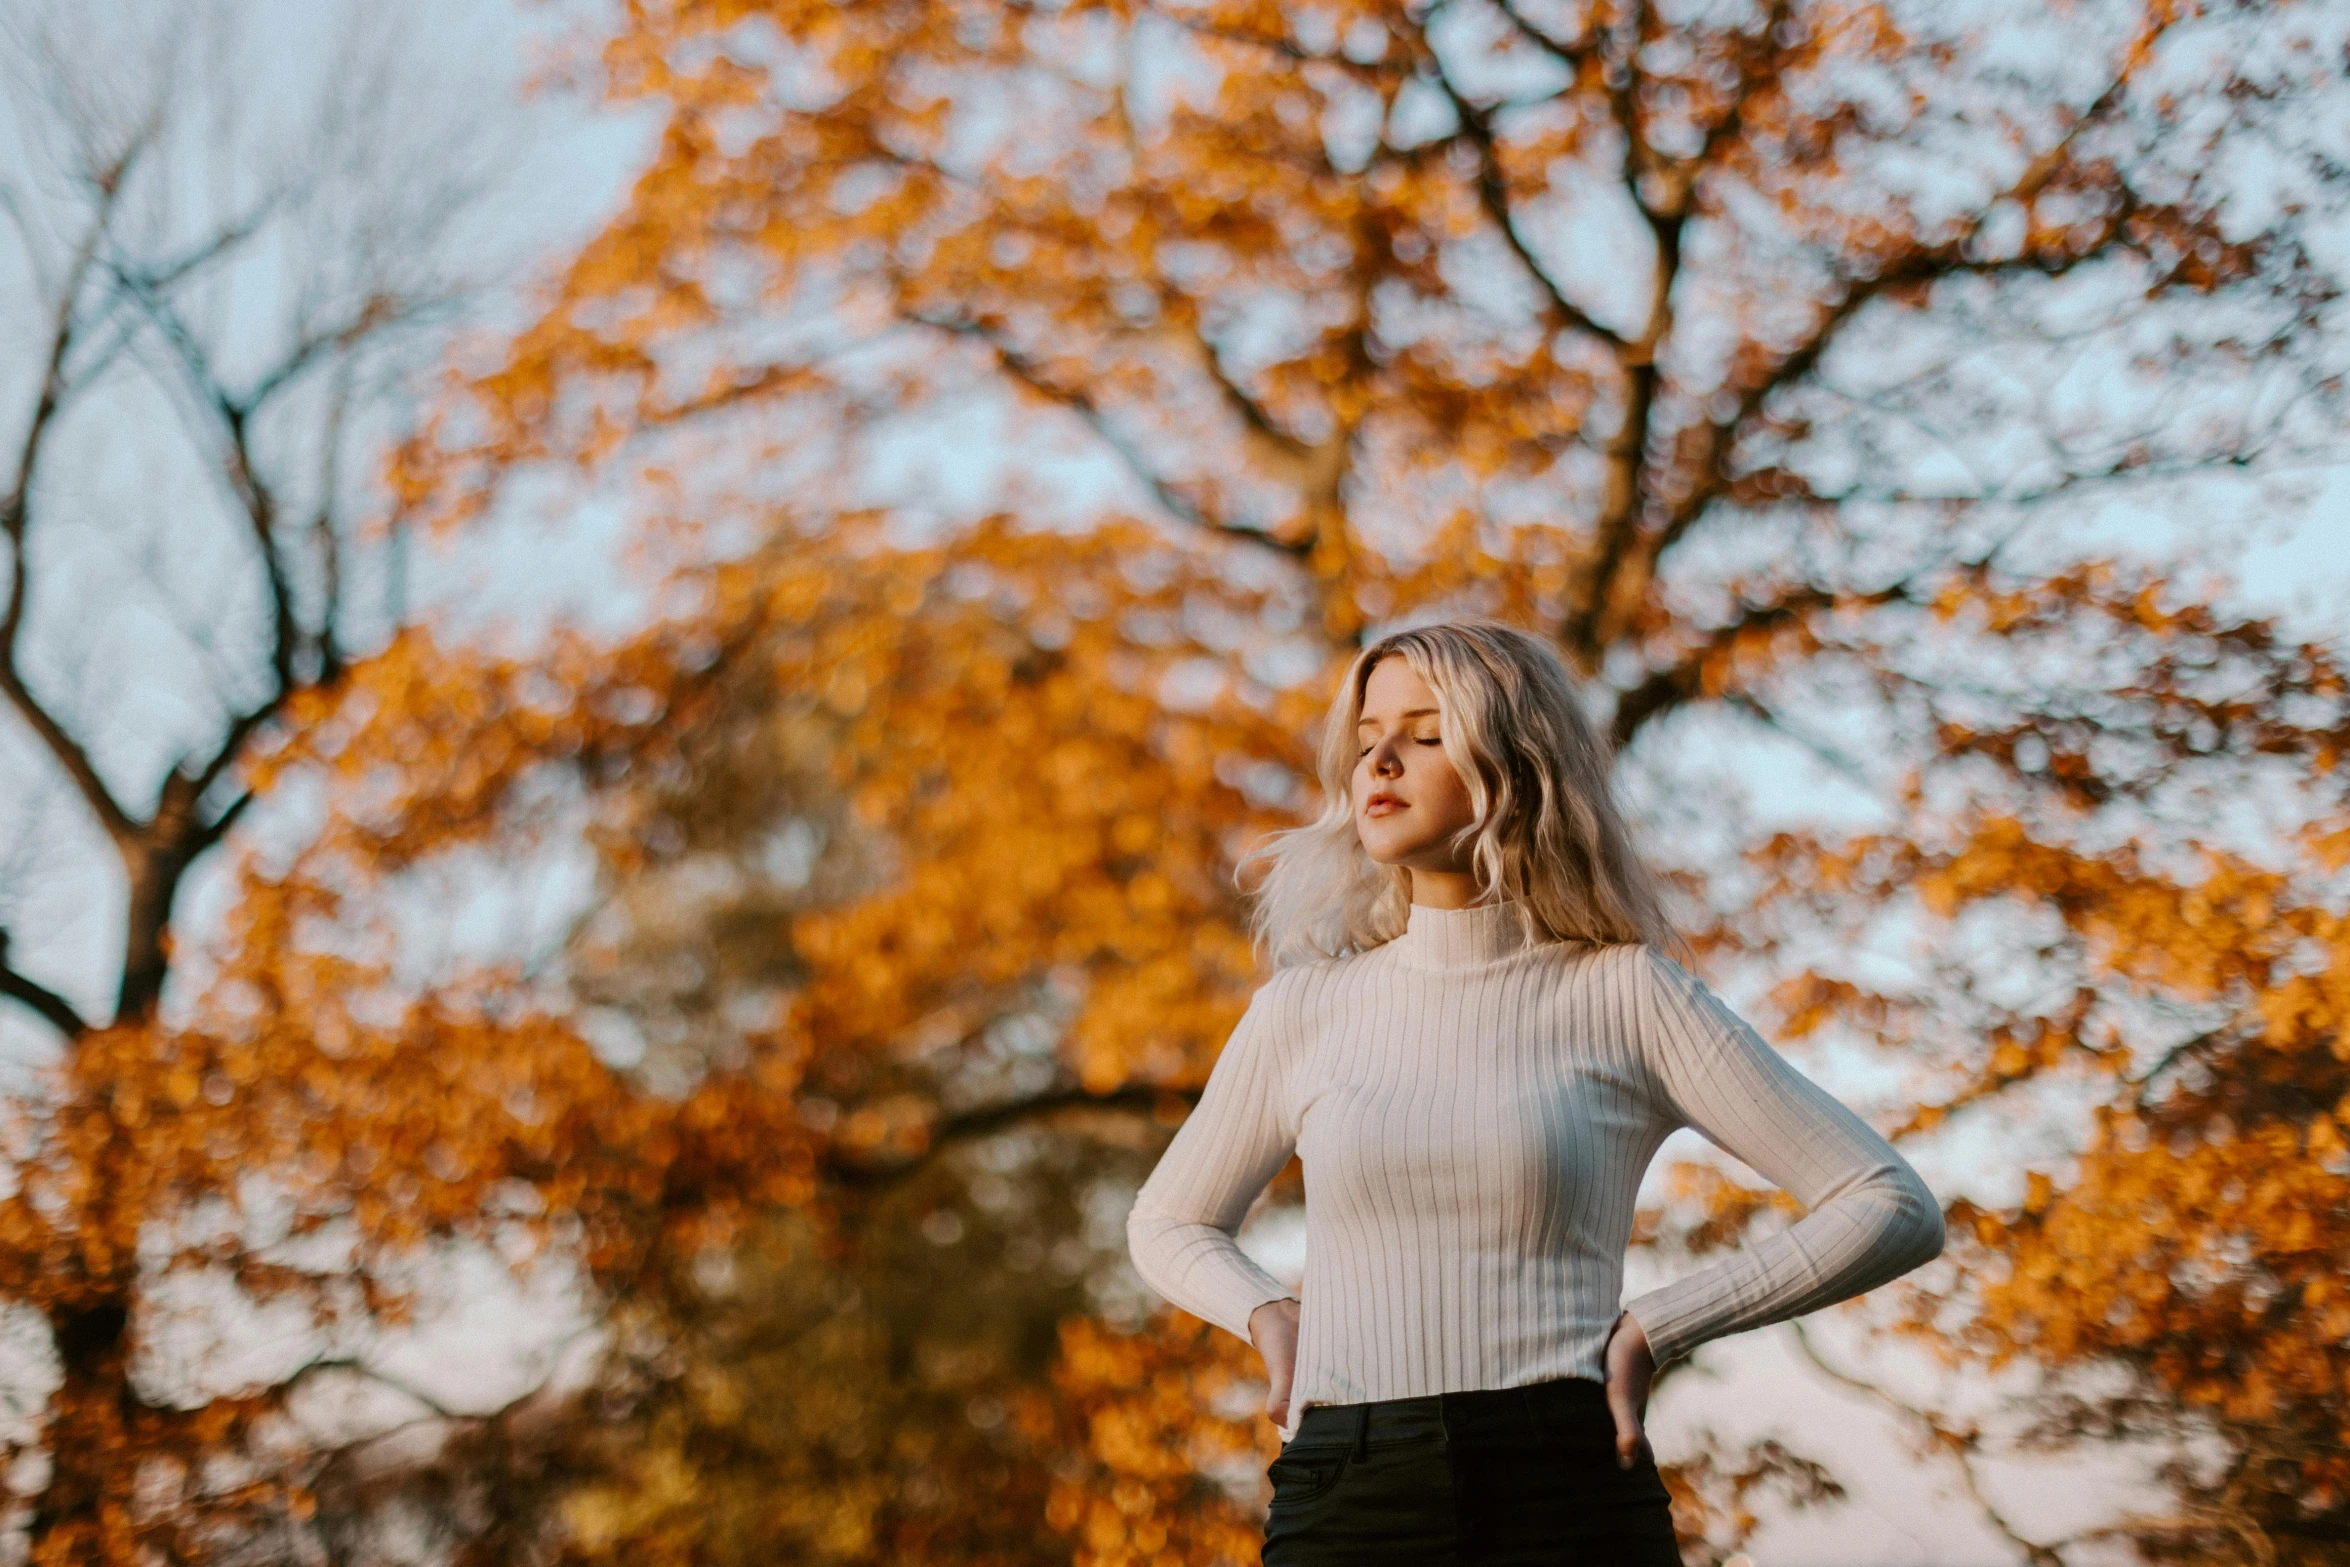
column 1025, row 410
column 218, row 302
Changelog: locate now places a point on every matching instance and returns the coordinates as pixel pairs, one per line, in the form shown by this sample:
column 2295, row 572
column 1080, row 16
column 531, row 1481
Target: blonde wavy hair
column 1547, row 833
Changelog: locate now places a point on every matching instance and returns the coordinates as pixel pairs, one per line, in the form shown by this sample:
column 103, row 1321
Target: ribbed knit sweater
column 1474, row 1113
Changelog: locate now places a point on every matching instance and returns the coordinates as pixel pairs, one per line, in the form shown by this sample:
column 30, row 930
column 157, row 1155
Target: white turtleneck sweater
column 1474, row 1114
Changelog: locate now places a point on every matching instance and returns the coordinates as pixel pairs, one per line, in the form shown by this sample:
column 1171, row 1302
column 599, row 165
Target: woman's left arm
column 1869, row 1218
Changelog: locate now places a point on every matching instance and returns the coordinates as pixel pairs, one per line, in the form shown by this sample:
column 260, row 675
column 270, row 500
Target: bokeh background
column 639, row 640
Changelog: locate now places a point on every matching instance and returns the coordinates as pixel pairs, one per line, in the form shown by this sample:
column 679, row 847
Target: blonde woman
column 1475, row 1037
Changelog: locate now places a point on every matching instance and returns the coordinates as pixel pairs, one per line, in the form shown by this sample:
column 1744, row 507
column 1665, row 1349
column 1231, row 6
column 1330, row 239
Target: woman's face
column 1408, row 800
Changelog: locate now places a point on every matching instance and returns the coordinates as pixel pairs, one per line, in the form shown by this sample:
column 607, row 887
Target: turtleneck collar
column 1436, row 938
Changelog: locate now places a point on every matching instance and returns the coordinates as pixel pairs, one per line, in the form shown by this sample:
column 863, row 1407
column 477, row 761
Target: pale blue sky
column 555, row 554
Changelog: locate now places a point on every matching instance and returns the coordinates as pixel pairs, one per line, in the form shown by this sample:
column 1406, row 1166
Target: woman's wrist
column 1628, row 1325
column 1257, row 1318
column 1272, row 1305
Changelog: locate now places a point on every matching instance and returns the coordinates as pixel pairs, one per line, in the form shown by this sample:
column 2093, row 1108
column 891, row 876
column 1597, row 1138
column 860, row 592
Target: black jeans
column 1503, row 1477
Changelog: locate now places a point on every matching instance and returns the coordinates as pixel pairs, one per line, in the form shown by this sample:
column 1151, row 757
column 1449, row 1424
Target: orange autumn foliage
column 1161, row 1414
column 1276, row 307
column 1295, row 281
column 312, row 1097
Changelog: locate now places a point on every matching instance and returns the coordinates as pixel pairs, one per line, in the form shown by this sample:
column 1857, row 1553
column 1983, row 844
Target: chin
column 1392, row 854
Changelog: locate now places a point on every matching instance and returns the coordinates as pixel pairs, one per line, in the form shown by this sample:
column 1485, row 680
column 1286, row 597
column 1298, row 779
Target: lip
column 1380, row 803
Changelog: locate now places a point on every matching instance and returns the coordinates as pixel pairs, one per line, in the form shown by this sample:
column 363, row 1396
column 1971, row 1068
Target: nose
column 1385, row 762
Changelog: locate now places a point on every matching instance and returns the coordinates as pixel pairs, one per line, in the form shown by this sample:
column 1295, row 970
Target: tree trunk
column 79, row 1517
column 153, row 873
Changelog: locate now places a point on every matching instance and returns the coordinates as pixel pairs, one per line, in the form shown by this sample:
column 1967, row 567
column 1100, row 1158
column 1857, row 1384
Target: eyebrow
column 1417, row 712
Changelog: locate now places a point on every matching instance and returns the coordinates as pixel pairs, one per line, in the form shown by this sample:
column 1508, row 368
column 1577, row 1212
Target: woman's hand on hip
column 1272, row 1327
column 1630, row 1368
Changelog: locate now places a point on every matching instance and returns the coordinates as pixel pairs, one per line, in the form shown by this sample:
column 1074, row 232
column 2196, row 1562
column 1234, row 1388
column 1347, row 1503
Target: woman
column 1475, row 1040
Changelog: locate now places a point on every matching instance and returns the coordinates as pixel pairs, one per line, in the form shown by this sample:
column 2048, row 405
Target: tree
column 227, row 313
column 1763, row 353
column 2192, row 965
column 911, row 843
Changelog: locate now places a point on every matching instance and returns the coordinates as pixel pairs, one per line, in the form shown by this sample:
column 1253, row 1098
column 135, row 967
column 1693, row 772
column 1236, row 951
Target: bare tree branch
column 1628, row 557
column 1493, row 193
column 48, row 402
column 1957, row 1443
column 972, row 1125
column 1287, row 48
column 48, row 1003
column 1252, row 413
column 196, row 258
column 376, row 313
column 185, row 785
column 1030, row 374
column 1684, row 680
column 1571, row 53
column 325, row 535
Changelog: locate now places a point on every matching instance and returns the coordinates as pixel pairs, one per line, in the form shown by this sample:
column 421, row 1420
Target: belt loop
column 1362, row 1431
column 1533, row 1405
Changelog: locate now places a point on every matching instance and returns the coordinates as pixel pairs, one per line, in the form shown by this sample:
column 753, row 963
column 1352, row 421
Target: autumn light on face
column 1409, row 801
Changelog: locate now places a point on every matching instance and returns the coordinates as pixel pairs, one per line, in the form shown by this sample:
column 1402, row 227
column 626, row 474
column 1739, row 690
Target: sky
column 1907, row 1509
column 570, row 168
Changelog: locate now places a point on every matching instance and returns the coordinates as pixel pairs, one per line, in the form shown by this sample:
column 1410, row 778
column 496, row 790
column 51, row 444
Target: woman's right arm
column 1180, row 1232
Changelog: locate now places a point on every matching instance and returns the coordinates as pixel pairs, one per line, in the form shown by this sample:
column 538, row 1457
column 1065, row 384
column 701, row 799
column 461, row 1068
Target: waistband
column 1559, row 1409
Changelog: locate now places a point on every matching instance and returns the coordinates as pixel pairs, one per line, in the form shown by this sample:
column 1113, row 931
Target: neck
column 1436, row 937
column 1444, row 889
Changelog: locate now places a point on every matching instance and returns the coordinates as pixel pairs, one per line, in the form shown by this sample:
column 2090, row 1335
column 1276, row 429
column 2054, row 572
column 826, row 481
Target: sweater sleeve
column 1870, row 1216
column 1180, row 1232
